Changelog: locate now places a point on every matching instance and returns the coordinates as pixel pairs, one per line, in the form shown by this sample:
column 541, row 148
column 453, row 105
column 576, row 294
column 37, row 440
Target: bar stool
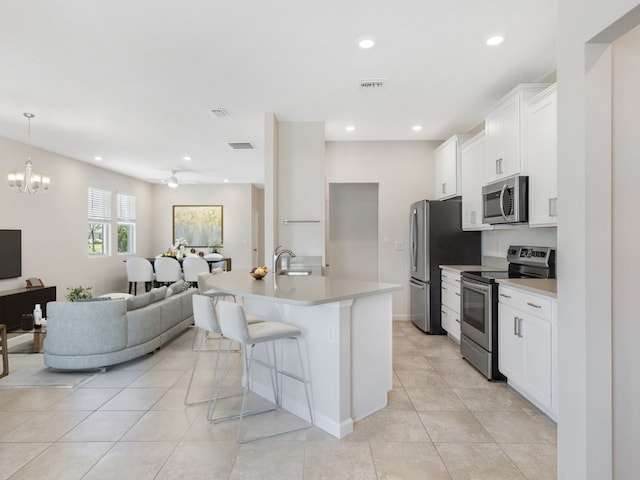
column 205, row 319
column 234, row 326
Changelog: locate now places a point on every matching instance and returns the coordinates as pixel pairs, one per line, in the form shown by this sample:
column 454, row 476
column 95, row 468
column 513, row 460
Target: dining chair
column 167, row 270
column 192, row 267
column 139, row 270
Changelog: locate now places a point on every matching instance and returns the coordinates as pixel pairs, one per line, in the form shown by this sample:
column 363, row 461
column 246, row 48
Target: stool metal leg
column 195, row 365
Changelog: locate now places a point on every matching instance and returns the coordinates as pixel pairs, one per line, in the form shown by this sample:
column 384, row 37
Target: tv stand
column 15, row 303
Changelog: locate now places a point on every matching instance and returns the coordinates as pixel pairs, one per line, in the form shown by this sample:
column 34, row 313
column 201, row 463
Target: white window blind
column 99, row 204
column 126, row 208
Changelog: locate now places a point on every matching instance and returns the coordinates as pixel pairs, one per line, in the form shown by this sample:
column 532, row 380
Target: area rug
column 27, row 370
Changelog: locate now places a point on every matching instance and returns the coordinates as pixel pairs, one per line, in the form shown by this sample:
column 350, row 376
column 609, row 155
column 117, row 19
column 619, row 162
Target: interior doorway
column 353, row 231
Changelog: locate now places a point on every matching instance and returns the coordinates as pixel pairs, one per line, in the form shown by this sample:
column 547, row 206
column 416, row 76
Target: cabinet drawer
column 526, row 302
column 450, row 277
column 450, row 322
column 451, row 296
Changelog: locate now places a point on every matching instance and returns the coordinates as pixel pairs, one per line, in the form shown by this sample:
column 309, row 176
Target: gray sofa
column 92, row 334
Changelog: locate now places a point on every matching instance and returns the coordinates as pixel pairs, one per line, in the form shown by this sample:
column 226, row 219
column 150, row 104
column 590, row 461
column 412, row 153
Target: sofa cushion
column 177, row 287
column 139, row 301
column 158, row 294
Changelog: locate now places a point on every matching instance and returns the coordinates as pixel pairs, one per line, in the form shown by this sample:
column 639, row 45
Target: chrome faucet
column 277, row 255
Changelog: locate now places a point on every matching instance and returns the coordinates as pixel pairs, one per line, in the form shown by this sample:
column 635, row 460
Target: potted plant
column 78, row 293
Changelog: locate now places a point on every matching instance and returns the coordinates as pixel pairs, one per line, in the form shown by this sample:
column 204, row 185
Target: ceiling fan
column 172, row 181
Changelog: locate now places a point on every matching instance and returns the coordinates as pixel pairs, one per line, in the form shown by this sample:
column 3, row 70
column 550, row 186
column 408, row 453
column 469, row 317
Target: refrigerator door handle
column 414, row 240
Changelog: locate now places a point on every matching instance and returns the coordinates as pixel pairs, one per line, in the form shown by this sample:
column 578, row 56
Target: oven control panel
column 543, row 256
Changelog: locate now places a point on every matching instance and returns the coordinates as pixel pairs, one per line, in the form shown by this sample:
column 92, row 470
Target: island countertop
column 297, row 290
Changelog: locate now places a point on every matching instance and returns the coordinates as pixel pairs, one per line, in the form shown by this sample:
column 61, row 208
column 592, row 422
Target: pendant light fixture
column 28, row 181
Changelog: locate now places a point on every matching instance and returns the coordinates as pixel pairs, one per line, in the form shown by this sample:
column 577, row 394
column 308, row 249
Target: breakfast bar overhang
column 347, row 338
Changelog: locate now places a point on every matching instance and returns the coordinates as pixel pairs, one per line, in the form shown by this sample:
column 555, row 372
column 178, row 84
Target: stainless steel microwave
column 506, row 201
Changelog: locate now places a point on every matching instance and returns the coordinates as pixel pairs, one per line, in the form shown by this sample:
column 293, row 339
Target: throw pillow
column 139, row 301
column 159, row 293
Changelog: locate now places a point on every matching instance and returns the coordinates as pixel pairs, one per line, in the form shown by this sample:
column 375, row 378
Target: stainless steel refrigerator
column 436, row 238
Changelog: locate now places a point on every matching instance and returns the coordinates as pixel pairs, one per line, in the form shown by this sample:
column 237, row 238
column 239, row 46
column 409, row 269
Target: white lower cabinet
column 526, row 352
column 450, row 300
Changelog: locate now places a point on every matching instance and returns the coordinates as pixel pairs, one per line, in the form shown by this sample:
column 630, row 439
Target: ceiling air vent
column 241, row 145
column 373, row 84
column 219, row 112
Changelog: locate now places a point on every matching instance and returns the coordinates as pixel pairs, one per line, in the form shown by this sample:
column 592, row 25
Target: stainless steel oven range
column 479, row 304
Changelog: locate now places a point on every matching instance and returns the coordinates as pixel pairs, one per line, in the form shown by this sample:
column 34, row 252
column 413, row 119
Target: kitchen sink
column 295, row 272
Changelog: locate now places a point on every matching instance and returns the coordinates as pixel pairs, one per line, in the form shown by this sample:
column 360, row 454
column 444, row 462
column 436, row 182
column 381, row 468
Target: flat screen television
column 10, row 253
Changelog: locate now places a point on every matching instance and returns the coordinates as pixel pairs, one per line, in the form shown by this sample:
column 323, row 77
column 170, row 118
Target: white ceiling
column 133, row 81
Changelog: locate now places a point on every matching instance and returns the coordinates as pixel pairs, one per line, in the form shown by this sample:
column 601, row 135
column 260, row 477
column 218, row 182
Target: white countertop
column 297, row 290
column 541, row 286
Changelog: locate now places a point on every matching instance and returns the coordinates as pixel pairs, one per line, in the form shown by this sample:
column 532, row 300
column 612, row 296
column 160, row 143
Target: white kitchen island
column 346, row 331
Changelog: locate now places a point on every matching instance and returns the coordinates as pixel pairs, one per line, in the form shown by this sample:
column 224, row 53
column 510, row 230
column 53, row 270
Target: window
column 126, row 224
column 99, row 212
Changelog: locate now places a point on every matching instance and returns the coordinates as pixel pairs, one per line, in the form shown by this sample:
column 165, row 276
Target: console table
column 13, row 303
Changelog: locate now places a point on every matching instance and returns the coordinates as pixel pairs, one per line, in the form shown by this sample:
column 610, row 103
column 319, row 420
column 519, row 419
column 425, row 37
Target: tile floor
column 443, row 421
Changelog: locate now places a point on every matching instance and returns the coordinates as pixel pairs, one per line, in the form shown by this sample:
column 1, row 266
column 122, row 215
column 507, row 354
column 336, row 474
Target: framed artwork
column 199, row 225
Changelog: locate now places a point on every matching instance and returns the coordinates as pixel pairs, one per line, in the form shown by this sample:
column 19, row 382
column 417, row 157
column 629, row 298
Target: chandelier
column 28, row 181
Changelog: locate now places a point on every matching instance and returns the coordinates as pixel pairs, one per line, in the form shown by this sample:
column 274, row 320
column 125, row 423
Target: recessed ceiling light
column 97, row 159
column 349, row 128
column 495, row 40
column 186, row 158
column 226, row 180
column 366, row 42
column 416, row 128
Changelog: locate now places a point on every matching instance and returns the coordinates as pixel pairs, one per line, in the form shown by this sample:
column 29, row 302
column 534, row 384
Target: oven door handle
column 476, row 287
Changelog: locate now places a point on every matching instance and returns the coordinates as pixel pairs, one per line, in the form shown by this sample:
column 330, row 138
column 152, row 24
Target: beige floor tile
column 33, row 399
column 14, row 456
column 492, row 400
column 161, row 426
column 408, row 461
column 264, row 460
column 178, row 363
column 536, row 461
column 460, row 427
column 477, row 461
column 443, row 347
column 518, row 427
column 395, row 426
column 411, row 362
column 136, row 460
column 338, row 461
column 140, row 364
column 173, row 399
column 45, row 426
column 435, row 399
column 135, row 399
column 112, row 379
column 420, row 379
column 63, row 461
column 397, row 399
column 11, row 420
column 200, row 461
column 157, row 379
column 103, row 426
column 86, row 399
column 457, row 377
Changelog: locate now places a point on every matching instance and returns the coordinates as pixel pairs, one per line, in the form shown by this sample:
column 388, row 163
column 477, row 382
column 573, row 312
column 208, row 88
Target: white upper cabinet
column 504, row 128
column 448, row 170
column 473, row 160
column 542, row 157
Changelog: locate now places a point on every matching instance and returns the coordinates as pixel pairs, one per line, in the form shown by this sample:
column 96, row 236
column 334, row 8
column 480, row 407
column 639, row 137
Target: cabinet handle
column 505, row 296
column 472, row 217
column 444, row 188
column 520, row 328
column 498, row 166
column 533, row 305
column 458, row 293
column 444, row 288
column 515, row 326
column 457, row 280
column 553, row 207
column 443, row 312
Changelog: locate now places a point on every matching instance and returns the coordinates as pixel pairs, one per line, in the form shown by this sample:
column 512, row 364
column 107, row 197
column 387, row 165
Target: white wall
column 626, row 238
column 54, row 224
column 405, row 174
column 585, row 270
column 236, row 200
column 301, row 191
